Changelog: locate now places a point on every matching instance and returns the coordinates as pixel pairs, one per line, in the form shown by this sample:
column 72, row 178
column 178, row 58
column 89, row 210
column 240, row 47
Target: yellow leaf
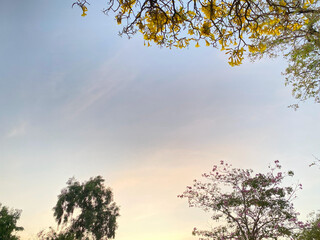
column 262, row 47
column 190, row 32
column 119, row 20
column 252, row 49
column 84, row 9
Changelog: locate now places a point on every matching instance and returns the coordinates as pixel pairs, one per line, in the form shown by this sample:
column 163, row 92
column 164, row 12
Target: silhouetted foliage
column 85, row 211
column 8, row 223
column 53, row 235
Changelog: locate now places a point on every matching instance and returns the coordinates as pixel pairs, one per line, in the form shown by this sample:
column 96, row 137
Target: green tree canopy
column 255, row 27
column 8, row 223
column 248, row 206
column 85, row 211
column 312, row 232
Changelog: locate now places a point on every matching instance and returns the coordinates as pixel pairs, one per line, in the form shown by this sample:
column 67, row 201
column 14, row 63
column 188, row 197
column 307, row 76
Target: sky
column 77, row 100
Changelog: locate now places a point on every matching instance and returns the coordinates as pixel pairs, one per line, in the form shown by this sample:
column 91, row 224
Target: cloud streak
column 106, row 82
column 17, row 131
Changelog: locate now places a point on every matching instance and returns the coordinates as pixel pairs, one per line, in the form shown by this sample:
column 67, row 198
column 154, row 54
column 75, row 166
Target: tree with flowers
column 256, row 27
column 248, row 206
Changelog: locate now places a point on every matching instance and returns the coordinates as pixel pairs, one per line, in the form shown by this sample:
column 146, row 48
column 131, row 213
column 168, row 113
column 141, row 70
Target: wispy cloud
column 106, row 82
column 18, row 130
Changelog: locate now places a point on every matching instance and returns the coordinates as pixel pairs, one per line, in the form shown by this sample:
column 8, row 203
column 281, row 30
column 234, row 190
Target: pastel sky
column 78, row 100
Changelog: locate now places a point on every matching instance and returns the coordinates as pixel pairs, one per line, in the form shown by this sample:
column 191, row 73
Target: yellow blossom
column 84, row 9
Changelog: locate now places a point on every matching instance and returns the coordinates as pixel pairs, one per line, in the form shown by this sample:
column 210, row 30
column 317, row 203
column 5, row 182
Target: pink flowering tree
column 248, row 206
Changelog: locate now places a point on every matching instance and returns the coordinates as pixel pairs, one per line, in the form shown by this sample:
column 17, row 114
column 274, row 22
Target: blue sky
column 78, row 100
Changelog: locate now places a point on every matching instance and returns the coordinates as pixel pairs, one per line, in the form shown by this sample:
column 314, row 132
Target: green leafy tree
column 312, row 231
column 84, row 211
column 250, row 206
column 255, row 27
column 8, row 223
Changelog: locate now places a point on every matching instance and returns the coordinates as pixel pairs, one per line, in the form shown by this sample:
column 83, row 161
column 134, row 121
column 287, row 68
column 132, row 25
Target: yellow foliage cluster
column 257, row 48
column 236, row 56
column 126, row 5
column 234, row 26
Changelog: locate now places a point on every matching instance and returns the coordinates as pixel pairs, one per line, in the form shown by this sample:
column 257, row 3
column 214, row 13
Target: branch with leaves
column 255, row 27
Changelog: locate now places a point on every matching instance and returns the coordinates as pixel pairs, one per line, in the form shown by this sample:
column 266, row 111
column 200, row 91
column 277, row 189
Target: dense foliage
column 312, row 231
column 8, row 223
column 249, row 206
column 85, row 211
